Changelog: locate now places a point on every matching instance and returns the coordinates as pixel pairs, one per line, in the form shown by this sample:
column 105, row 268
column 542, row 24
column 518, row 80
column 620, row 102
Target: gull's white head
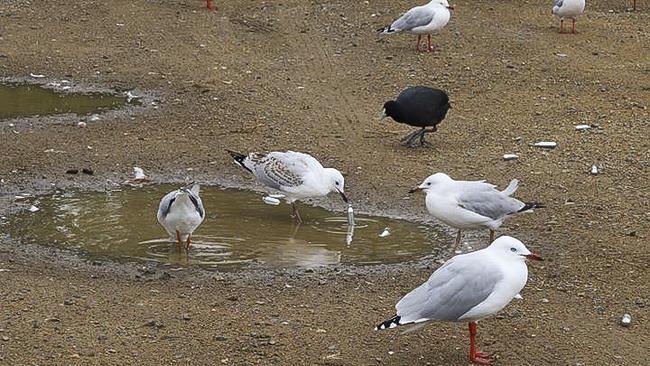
column 431, row 182
column 443, row 3
column 510, row 247
column 336, row 182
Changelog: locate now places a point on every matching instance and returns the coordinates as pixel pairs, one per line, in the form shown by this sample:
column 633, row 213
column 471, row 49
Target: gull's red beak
column 534, row 257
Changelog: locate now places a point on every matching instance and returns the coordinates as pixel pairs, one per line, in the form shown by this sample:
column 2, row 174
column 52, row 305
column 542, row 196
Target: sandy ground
column 312, row 76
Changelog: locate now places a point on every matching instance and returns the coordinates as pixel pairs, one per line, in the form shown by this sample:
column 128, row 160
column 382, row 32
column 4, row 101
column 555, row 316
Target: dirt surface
column 312, row 76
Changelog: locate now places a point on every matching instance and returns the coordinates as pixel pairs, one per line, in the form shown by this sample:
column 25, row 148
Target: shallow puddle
column 24, row 100
column 239, row 231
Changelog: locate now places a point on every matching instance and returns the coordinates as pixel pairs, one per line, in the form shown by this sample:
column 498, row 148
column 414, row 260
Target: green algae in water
column 239, row 231
column 25, row 100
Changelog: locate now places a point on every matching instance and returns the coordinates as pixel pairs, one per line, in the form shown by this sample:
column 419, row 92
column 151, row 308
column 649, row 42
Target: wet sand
column 313, row 77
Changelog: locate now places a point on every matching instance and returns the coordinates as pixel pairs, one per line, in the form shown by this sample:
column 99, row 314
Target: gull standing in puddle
column 471, row 204
column 180, row 213
column 467, row 288
column 297, row 175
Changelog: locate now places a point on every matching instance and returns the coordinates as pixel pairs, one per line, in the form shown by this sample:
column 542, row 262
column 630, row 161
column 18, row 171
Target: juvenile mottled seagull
column 418, row 106
column 467, row 288
column 471, row 204
column 568, row 9
column 180, row 213
column 295, row 174
column 425, row 19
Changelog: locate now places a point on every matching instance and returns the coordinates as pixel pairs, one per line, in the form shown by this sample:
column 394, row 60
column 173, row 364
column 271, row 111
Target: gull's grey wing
column 487, row 201
column 416, row 17
column 166, row 204
column 193, row 193
column 454, row 289
column 273, row 171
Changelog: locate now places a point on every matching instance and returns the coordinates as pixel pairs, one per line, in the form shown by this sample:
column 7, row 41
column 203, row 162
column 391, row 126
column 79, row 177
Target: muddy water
column 240, row 231
column 24, row 100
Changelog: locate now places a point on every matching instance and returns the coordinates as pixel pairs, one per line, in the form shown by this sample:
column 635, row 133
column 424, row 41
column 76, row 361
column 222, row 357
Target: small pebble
column 510, row 157
column 594, row 170
column 582, row 127
column 33, row 208
column 82, row 124
column 626, row 320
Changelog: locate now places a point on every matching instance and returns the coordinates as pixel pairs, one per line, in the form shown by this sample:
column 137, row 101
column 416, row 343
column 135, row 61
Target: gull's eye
column 428, row 183
column 513, row 249
column 337, row 183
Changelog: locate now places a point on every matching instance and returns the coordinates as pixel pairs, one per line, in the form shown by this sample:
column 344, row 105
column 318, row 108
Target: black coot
column 418, row 106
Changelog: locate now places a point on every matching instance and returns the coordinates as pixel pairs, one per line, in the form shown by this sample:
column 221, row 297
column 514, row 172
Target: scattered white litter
column 594, row 170
column 561, row 54
column 350, row 215
column 139, row 174
column 510, row 157
column 82, row 124
column 130, row 96
column 37, row 76
column 277, row 195
column 582, row 127
column 93, row 118
column 546, row 144
column 391, row 352
column 12, row 125
column 33, row 208
column 384, row 233
column 626, row 320
column 271, row 200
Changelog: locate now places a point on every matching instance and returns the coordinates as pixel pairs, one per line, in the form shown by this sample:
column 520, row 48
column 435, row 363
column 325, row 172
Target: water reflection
column 239, row 231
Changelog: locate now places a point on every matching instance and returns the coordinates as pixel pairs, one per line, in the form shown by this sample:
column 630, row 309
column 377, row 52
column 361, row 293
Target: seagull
column 418, row 106
column 471, row 204
column 297, row 175
column 568, row 9
column 468, row 287
column 425, row 19
column 180, row 213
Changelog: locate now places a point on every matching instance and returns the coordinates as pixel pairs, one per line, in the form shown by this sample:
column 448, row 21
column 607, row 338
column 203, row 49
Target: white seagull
column 568, row 9
column 297, row 175
column 180, row 213
column 471, row 204
column 425, row 19
column 468, row 287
